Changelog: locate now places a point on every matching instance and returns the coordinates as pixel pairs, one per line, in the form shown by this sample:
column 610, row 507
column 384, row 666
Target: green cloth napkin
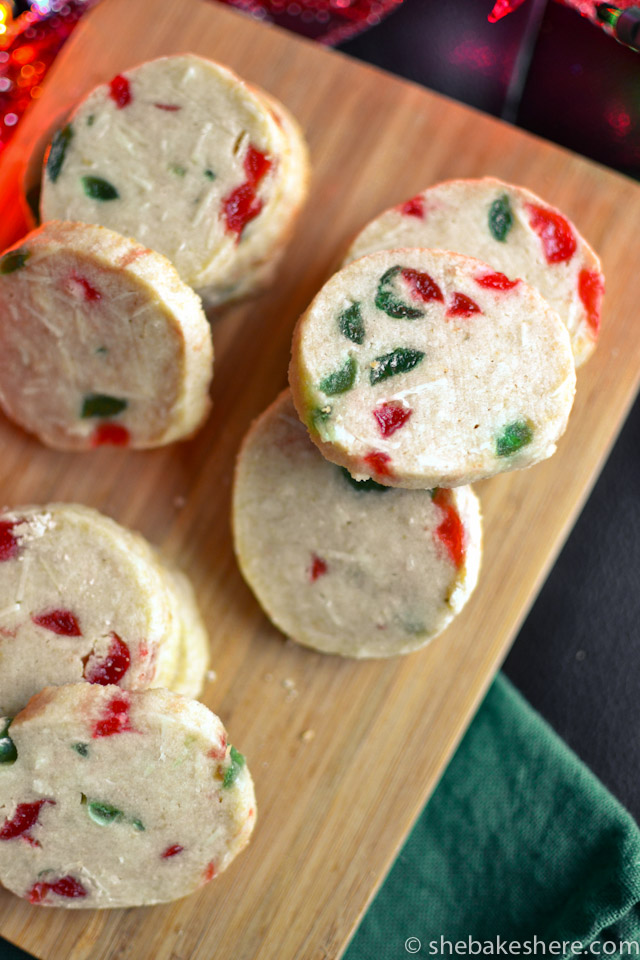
column 519, row 841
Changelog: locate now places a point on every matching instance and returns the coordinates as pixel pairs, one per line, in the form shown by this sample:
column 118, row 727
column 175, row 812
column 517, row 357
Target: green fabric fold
column 519, row 841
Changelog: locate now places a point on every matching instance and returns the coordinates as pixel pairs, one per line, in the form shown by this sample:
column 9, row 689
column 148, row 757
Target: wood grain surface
column 334, row 809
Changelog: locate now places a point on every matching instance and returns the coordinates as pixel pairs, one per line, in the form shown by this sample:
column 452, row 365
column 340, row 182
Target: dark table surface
column 551, row 72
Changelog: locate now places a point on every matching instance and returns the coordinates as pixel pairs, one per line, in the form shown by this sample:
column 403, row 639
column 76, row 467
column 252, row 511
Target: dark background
column 548, row 70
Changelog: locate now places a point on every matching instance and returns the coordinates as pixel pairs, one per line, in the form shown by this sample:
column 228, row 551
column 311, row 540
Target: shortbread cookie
column 512, row 229
column 185, row 157
column 100, row 341
column 425, row 369
column 83, row 598
column 193, row 654
column 344, row 566
column 118, row 799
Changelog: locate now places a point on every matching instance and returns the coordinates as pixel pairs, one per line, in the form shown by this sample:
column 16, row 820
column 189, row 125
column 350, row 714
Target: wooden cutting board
column 334, row 809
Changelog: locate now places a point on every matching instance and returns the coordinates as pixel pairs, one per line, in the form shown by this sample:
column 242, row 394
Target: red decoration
column 120, row 91
column 115, row 719
column 318, row 568
column 501, row 8
column 25, row 817
column 450, row 532
column 423, row 287
column 391, row 416
column 28, row 47
column 591, row 291
column 413, row 207
column 8, row 543
column 328, row 21
column 82, row 287
column 62, row 622
column 558, row 241
column 114, row 666
column 496, row 281
column 462, row 306
column 110, row 434
column 379, row 463
column 64, row 887
column 172, row 851
column 209, row 872
column 243, row 205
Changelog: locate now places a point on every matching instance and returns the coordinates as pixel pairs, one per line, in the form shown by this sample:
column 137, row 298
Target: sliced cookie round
column 410, row 368
column 512, row 229
column 193, row 654
column 83, row 598
column 344, row 566
column 118, row 799
column 100, row 341
column 184, row 156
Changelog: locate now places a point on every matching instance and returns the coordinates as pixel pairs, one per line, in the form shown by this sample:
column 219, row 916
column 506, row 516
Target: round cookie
column 426, row 368
column 512, row 229
column 83, row 598
column 118, row 799
column 193, row 654
column 343, row 566
column 184, row 156
column 100, row 341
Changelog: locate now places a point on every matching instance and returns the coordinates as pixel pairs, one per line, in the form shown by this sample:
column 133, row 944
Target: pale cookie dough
column 83, row 598
column 118, row 799
column 410, row 368
column 347, row 567
column 100, row 341
column 513, row 230
column 184, row 156
column 193, row 654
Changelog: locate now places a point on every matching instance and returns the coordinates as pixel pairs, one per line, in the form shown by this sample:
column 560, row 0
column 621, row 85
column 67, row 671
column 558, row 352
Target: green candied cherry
column 340, row 380
column 82, row 749
column 389, row 302
column 365, row 485
column 319, row 416
column 101, row 405
column 237, row 763
column 101, row 813
column 500, row 218
column 14, row 260
column 391, row 364
column 96, row 188
column 105, row 813
column 514, row 436
column 351, row 324
column 57, row 151
column 8, row 752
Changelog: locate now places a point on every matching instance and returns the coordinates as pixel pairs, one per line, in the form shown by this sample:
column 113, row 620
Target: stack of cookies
column 416, row 371
column 81, row 597
column 107, row 342
column 113, row 794
column 90, row 619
